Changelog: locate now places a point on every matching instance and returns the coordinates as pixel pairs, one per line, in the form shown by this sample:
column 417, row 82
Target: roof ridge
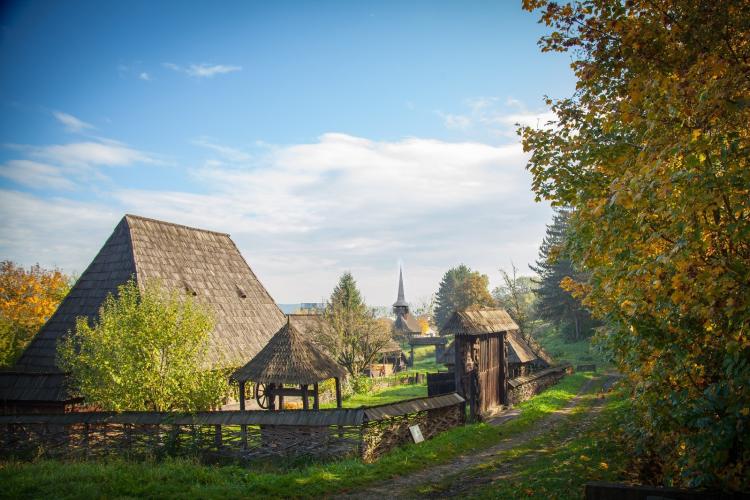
column 166, row 223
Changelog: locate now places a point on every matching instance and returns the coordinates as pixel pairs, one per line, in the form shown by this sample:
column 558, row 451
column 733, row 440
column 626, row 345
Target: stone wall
column 523, row 388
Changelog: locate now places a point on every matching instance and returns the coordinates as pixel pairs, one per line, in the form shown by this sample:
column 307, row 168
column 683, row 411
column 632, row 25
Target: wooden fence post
column 243, row 428
column 217, row 436
column 85, row 440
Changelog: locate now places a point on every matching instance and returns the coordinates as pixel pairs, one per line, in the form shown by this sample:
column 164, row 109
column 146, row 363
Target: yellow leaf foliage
column 28, row 297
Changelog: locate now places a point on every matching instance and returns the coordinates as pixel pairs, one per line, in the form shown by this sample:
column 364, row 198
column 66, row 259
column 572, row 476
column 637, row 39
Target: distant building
column 406, row 324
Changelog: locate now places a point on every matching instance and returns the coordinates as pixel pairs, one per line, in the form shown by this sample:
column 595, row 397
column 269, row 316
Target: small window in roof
column 240, row 292
column 188, row 288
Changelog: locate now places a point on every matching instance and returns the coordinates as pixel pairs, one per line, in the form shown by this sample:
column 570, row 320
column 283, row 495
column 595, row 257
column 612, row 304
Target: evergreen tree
column 460, row 288
column 555, row 304
column 350, row 331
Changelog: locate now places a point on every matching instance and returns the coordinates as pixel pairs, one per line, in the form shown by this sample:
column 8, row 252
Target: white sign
column 416, row 433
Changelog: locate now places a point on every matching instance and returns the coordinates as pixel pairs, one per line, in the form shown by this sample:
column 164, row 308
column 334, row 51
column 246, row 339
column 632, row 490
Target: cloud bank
column 304, row 213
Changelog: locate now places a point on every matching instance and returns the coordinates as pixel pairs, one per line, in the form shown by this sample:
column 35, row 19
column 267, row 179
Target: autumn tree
column 146, row 351
column 516, row 295
column 652, row 154
column 554, row 270
column 350, row 331
column 27, row 300
column 461, row 288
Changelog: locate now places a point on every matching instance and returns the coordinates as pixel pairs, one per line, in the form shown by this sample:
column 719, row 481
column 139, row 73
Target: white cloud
column 346, row 202
column 488, row 114
column 225, row 152
column 302, row 213
column 203, row 70
column 35, row 175
column 105, row 153
column 72, row 124
column 460, row 122
column 53, row 232
column 144, row 76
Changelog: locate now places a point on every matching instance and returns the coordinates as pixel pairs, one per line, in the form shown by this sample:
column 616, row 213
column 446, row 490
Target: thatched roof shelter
column 289, row 358
column 478, row 321
column 202, row 263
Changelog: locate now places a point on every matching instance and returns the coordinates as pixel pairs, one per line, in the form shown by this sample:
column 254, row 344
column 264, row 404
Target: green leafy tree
column 556, row 304
column 350, row 332
column 461, row 288
column 652, row 153
column 146, row 351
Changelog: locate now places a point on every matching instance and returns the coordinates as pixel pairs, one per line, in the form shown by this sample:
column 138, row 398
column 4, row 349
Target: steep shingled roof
column 203, row 263
column 478, row 321
column 289, row 358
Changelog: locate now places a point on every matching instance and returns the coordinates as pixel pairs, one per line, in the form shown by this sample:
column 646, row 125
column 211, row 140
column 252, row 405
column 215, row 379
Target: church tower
column 405, row 324
column 400, row 307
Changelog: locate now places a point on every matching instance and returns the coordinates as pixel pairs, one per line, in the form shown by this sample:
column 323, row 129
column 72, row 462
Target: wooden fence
column 367, row 432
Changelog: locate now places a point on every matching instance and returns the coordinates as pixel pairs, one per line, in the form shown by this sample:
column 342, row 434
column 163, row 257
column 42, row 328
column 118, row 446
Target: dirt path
column 397, row 486
column 472, row 479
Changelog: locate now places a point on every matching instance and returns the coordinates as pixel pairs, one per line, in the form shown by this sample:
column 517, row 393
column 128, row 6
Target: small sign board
column 416, row 433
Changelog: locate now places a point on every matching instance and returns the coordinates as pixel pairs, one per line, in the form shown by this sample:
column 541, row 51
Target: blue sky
column 324, row 136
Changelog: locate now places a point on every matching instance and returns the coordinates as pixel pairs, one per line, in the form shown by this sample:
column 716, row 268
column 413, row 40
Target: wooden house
column 202, row 263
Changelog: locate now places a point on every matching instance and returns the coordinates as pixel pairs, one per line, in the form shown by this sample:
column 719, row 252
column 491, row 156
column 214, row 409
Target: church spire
column 400, row 300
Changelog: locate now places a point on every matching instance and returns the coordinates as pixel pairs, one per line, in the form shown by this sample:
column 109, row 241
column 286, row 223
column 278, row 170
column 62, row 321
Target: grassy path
column 451, row 473
column 480, row 481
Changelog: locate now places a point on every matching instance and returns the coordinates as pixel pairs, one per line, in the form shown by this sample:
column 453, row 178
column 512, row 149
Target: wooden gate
column 481, row 370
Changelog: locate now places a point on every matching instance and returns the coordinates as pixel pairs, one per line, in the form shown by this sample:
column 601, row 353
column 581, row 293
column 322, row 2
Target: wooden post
column 305, row 402
column 411, row 356
column 243, row 428
column 86, row 440
column 316, row 397
column 338, row 392
column 504, row 382
column 242, row 395
column 217, row 436
column 281, row 398
column 271, row 396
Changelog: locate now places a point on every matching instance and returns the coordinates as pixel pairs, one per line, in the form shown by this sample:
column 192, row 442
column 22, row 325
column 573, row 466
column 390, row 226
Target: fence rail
column 367, row 432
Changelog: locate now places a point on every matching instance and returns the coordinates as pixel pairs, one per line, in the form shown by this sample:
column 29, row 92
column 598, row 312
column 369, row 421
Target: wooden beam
column 338, row 392
column 316, row 397
column 281, row 396
column 305, row 402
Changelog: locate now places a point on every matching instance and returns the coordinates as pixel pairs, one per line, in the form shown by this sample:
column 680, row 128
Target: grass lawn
column 576, row 353
column 185, row 478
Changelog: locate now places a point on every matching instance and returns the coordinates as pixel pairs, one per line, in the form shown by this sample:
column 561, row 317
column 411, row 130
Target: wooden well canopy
column 292, row 359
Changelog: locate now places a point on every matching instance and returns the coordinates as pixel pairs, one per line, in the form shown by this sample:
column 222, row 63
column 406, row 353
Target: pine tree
column 555, row 304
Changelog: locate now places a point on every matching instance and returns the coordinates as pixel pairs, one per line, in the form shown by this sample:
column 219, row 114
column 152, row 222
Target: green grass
column 185, row 478
column 576, row 353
